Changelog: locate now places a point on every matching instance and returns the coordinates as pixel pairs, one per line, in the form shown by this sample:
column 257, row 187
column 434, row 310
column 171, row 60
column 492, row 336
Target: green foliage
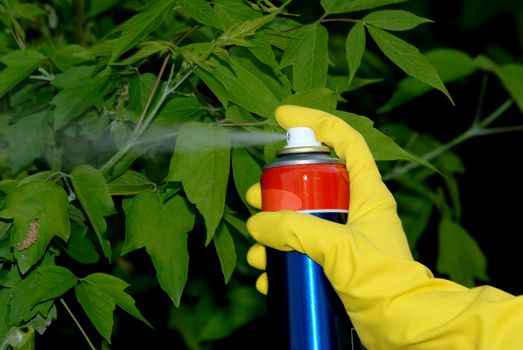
column 99, row 294
column 201, row 162
column 141, row 124
column 20, row 63
column 93, row 194
column 461, row 258
column 39, row 213
column 307, row 54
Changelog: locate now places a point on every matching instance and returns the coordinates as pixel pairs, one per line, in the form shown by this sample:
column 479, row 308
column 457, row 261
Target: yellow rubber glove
column 393, row 301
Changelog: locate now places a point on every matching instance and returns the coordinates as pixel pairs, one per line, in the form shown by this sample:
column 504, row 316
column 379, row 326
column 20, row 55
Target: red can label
column 309, row 188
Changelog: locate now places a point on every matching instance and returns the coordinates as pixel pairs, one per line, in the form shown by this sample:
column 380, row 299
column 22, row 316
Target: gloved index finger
column 331, row 130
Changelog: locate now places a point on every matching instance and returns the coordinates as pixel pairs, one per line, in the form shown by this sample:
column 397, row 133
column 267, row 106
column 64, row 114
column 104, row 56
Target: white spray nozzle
column 301, row 137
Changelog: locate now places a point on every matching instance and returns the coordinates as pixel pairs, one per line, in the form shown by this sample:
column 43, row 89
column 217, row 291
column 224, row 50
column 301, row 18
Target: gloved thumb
column 253, row 196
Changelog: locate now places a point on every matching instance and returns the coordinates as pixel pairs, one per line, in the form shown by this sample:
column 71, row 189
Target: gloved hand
column 393, row 301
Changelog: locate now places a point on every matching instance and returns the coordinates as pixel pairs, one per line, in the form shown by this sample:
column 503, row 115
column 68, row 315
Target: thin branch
column 475, row 130
column 502, row 129
column 78, row 324
column 494, row 115
column 151, row 95
column 327, row 20
column 479, row 109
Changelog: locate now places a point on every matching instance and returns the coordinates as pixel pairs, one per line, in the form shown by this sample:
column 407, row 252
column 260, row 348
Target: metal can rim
column 310, row 149
column 302, row 162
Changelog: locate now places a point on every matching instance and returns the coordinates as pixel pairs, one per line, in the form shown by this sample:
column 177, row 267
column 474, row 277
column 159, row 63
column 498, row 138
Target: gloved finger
column 288, row 230
column 262, row 284
column 348, row 143
column 254, row 196
column 367, row 189
column 257, row 256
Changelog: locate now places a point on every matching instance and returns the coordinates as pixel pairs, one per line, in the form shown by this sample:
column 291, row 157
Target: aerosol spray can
column 305, row 311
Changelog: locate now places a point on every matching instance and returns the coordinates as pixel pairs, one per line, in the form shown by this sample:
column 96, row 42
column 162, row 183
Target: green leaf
column 146, row 49
column 224, row 245
column 94, row 196
column 454, row 194
column 381, row 146
column 447, row 163
column 246, row 172
column 5, row 249
column 307, row 54
column 201, row 11
column 129, row 183
column 460, row 256
column 99, row 294
column 68, row 56
column 207, row 320
column 213, row 84
column 394, row 20
column 319, row 98
column 511, row 75
column 408, row 58
column 262, row 50
column 237, row 34
column 45, row 283
column 5, row 296
column 244, row 88
column 101, row 49
column 20, row 64
column 344, row 6
column 80, row 247
column 42, row 321
column 27, row 140
column 270, row 149
column 73, row 77
column 40, row 212
column 97, row 7
column 228, row 13
column 140, row 86
column 235, row 115
column 27, row 11
column 355, row 48
column 244, row 305
column 53, row 282
column 178, row 111
column 98, row 307
column 201, row 162
column 451, row 65
column 415, row 212
column 238, row 224
column 274, row 38
column 273, row 79
column 340, row 84
column 162, row 229
column 140, row 26
column 71, row 102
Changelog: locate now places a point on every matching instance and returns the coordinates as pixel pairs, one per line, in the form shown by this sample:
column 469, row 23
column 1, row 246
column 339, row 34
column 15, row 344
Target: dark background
column 491, row 187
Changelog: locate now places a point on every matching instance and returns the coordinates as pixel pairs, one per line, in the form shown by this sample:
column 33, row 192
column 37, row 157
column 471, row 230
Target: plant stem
column 326, row 20
column 151, row 94
column 478, row 129
column 19, row 41
column 78, row 324
column 479, row 109
column 142, row 127
column 494, row 115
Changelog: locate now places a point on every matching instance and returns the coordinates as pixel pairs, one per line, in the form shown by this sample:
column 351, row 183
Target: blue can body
column 305, row 311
